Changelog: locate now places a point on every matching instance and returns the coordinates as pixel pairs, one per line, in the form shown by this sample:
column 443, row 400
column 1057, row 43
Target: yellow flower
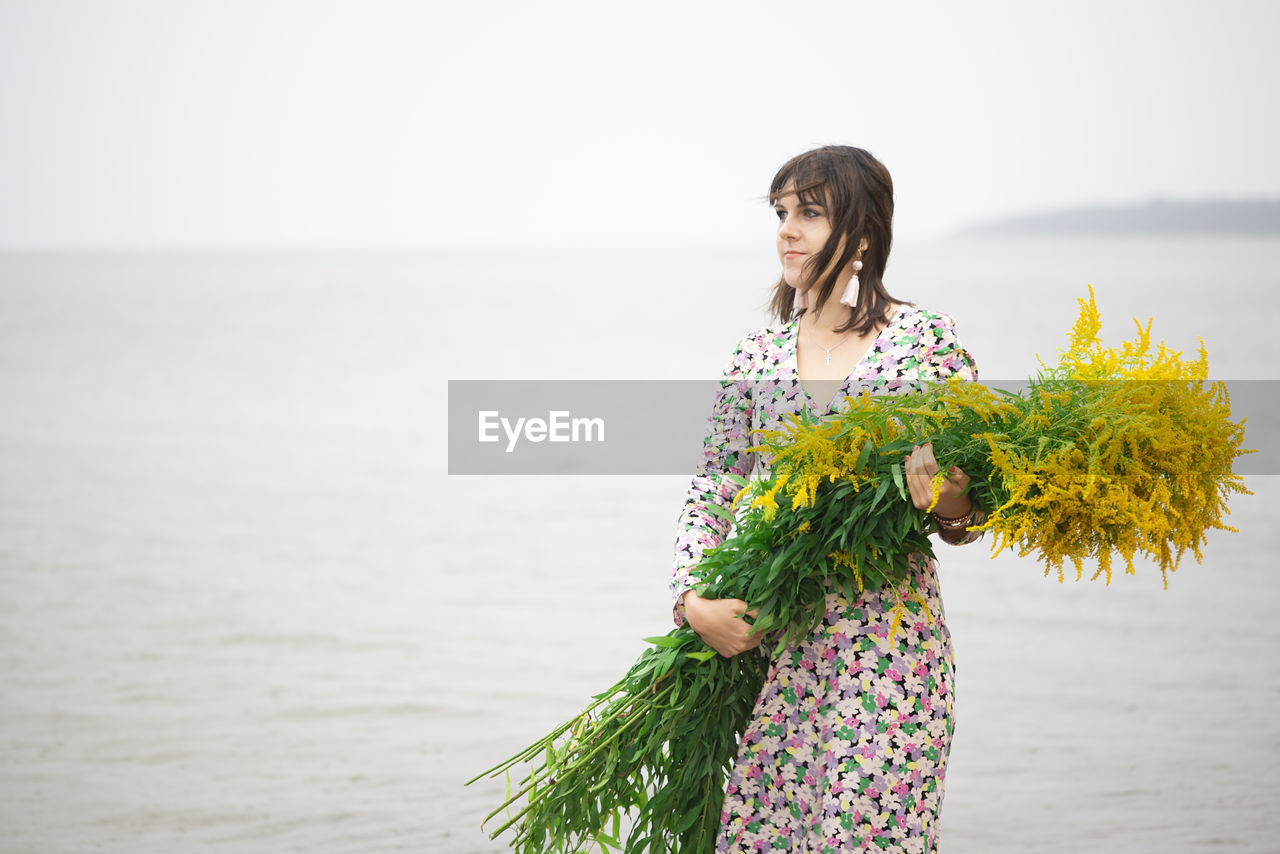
column 768, row 499
column 1134, row 456
column 1123, row 450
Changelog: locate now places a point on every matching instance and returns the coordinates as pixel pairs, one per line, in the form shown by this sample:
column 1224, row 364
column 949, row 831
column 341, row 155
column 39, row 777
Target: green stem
column 564, row 772
column 568, row 770
column 536, row 775
column 541, row 744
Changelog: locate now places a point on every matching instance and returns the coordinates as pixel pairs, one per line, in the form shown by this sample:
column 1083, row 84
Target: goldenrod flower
column 1115, row 450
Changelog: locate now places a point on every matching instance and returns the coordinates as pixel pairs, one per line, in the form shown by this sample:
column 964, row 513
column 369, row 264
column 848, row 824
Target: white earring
column 850, row 297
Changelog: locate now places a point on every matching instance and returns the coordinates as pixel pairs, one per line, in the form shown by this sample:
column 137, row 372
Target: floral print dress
column 847, row 747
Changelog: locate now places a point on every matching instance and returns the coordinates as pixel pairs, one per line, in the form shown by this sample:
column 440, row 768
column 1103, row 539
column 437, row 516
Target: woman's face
column 803, row 229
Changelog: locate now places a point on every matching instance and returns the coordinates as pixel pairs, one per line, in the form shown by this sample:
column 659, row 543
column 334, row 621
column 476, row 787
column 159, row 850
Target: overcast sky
column 325, row 124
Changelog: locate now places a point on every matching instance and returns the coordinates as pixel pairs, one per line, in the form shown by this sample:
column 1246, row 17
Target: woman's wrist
column 954, row 507
column 956, row 529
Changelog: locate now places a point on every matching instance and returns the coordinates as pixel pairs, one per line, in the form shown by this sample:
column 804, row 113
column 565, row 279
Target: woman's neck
column 827, row 318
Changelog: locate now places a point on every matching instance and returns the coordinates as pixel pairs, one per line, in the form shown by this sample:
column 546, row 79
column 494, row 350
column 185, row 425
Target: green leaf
column 879, row 494
column 667, row 641
column 863, row 455
column 717, row 510
column 686, row 821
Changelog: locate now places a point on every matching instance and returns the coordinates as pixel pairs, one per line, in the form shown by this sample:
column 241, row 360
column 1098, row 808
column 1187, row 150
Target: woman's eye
column 811, row 213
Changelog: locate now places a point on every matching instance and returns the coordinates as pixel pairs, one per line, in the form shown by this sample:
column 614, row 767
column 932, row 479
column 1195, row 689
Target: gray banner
column 612, row 427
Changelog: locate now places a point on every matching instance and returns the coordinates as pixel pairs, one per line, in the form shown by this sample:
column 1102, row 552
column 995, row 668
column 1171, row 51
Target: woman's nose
column 787, row 226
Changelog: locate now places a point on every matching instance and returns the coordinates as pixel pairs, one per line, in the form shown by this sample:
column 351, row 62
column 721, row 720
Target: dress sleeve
column 724, row 451
column 946, row 357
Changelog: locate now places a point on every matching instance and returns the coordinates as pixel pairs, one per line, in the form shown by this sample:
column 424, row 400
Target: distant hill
column 1158, row 216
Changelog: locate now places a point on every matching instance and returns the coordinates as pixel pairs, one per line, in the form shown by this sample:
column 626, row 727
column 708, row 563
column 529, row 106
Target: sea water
column 245, row 608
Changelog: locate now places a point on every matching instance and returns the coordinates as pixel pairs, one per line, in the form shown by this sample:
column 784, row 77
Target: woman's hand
column 720, row 623
column 920, row 468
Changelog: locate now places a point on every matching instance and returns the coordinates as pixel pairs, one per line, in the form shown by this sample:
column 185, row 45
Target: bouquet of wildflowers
column 1124, row 451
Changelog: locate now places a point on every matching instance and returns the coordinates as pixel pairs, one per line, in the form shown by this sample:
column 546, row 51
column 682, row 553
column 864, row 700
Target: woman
column 847, row 746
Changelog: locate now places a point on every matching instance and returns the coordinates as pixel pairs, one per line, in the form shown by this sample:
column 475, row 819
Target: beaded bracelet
column 958, row 522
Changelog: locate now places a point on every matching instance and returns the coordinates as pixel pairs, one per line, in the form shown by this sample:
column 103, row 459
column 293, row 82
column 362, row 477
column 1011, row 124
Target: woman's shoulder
column 775, row 336
column 765, row 349
column 922, row 318
column 933, row 335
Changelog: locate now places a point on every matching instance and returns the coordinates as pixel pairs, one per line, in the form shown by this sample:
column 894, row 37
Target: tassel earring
column 850, row 297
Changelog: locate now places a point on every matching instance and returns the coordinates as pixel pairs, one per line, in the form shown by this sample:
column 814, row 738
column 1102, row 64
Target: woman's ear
column 862, row 247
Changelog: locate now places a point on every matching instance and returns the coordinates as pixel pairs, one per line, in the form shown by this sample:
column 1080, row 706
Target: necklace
column 836, row 347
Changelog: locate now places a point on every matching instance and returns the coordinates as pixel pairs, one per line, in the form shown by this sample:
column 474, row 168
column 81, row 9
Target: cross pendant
column 828, row 355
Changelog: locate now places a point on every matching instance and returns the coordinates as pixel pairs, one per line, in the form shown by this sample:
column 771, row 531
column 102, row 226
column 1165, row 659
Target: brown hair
column 857, row 193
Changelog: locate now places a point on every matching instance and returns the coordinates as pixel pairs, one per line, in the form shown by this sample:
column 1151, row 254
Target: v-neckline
column 795, row 361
